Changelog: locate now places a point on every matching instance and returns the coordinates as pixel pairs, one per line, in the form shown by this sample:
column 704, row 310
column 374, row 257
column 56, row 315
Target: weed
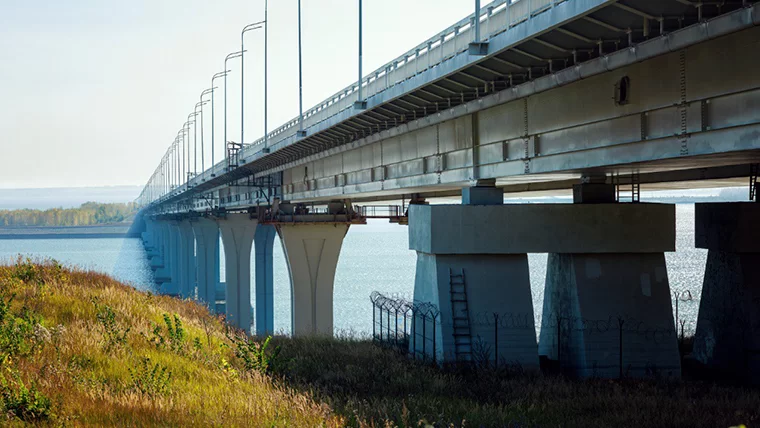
column 175, row 337
column 26, row 403
column 254, row 354
column 114, row 335
column 150, row 379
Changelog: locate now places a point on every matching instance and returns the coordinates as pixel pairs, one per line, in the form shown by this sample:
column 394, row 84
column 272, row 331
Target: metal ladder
column 754, row 170
column 461, row 316
column 635, row 192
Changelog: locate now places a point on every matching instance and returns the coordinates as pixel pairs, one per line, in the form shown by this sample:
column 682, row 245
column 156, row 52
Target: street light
column 216, row 76
column 360, row 103
column 247, row 28
column 300, row 133
column 229, row 57
column 203, row 157
column 195, row 135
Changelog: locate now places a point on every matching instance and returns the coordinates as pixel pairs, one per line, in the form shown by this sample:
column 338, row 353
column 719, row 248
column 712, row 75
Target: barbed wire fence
column 415, row 327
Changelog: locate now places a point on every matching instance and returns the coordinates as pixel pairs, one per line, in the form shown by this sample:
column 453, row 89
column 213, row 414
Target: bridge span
column 598, row 96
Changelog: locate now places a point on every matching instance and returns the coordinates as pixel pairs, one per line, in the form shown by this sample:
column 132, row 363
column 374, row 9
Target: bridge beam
column 312, row 251
column 207, row 240
column 727, row 339
column 238, row 231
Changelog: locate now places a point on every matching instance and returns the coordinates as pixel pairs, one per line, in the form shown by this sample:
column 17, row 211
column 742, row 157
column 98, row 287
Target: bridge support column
column 172, row 248
column 187, row 268
column 264, row 306
column 727, row 339
column 607, row 305
column 207, row 241
column 160, row 263
column 312, row 251
column 237, row 237
column 488, row 319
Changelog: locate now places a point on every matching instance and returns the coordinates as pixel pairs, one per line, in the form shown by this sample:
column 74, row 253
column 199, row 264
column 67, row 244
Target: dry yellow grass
column 90, row 383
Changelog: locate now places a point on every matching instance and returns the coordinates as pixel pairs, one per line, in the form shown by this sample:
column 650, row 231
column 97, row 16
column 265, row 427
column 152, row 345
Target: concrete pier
column 172, row 259
column 238, row 231
column 607, row 305
column 473, row 241
column 264, row 274
column 727, row 339
column 206, row 233
column 187, row 267
column 607, row 264
column 312, row 251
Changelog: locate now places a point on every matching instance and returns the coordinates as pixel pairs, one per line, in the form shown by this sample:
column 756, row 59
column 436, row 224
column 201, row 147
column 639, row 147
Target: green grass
column 80, row 349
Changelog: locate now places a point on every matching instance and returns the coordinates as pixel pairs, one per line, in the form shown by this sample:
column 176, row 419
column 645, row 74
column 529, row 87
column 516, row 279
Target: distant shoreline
column 120, row 230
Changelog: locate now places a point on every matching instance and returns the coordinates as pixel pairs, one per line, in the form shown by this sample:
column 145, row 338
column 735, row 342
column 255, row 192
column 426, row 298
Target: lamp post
column 266, row 74
column 301, row 133
column 247, row 28
column 360, row 104
column 204, row 93
column 195, row 135
column 229, row 57
column 213, row 130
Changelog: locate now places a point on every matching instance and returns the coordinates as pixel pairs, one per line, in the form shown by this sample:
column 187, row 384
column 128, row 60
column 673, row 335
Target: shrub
column 24, row 402
column 150, row 379
column 175, row 335
column 254, row 354
column 114, row 335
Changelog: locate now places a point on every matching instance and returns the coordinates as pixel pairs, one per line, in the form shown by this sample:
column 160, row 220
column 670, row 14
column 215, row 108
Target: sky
column 94, row 91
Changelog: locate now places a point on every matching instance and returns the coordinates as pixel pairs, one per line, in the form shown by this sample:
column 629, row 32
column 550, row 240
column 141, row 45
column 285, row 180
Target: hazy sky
column 94, row 91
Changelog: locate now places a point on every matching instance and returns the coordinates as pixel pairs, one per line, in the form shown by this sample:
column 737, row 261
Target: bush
column 175, row 335
column 254, row 354
column 26, row 403
column 114, row 335
column 150, row 379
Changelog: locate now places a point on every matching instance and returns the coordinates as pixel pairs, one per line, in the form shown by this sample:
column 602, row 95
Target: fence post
column 396, row 325
column 414, row 334
column 434, row 349
column 424, row 337
column 388, row 326
column 381, row 324
column 374, row 322
column 495, row 340
column 559, row 343
column 620, row 324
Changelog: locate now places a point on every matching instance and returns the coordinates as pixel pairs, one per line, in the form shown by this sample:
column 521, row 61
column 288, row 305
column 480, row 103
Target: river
column 373, row 257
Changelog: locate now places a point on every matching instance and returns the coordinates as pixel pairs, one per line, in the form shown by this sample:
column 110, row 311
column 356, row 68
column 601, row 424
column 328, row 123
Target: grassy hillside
column 78, row 348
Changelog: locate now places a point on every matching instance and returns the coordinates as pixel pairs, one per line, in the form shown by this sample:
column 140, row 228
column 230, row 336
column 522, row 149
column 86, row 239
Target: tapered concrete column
column 607, row 305
column 207, row 241
column 172, row 248
column 187, row 268
column 264, row 306
column 727, row 339
column 238, row 231
column 312, row 251
column 161, row 263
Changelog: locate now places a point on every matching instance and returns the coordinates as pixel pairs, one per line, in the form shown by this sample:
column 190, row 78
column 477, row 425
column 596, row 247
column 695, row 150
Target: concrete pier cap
column 542, row 228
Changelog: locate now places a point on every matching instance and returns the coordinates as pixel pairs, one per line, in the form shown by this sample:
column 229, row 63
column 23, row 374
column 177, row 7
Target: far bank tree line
column 89, row 213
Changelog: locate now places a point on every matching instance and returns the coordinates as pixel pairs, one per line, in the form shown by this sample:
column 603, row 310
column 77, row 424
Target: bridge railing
column 496, row 17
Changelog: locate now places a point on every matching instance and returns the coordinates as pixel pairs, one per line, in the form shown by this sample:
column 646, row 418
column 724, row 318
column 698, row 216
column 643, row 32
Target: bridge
column 598, row 96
